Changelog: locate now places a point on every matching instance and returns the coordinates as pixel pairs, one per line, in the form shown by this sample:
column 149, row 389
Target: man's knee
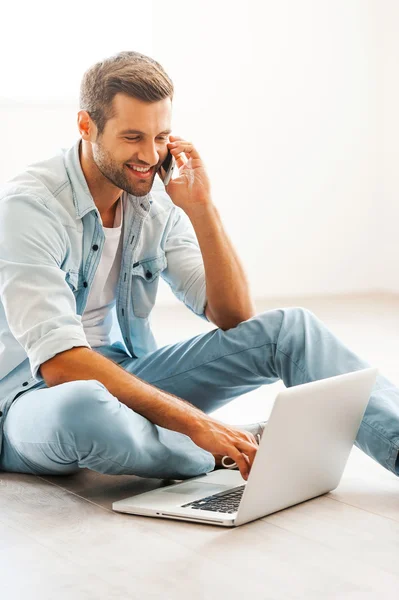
column 291, row 314
column 83, row 401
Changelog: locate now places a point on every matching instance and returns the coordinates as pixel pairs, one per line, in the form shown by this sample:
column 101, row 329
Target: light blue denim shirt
column 51, row 239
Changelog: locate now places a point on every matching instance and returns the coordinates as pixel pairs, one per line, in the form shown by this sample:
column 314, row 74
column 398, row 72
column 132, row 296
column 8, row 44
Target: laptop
column 302, row 454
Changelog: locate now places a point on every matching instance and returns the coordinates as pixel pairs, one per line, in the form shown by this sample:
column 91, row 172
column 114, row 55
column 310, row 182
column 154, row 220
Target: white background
column 292, row 104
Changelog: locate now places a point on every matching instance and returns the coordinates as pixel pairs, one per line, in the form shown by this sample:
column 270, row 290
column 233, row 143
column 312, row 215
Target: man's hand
column 192, row 188
column 225, row 440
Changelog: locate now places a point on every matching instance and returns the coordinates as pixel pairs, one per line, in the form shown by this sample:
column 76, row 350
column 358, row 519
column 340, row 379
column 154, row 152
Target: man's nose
column 148, row 154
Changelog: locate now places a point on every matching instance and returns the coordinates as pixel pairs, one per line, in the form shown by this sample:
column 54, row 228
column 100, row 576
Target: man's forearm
column 227, row 286
column 157, row 406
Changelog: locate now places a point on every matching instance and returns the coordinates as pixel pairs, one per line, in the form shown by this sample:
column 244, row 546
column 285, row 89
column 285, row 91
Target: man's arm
column 38, row 303
column 157, row 406
column 227, row 289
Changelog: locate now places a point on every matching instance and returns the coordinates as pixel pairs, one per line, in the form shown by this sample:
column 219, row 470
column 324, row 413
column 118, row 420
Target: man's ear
column 87, row 127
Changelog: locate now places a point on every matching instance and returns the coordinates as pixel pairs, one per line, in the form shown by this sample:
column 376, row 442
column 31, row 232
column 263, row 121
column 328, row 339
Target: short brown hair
column 128, row 72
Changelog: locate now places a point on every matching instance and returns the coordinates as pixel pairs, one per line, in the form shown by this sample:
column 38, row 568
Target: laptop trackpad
column 189, row 488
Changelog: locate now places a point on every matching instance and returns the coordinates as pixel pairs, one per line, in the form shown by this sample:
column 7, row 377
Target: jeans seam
column 292, row 361
column 212, row 360
column 227, row 355
column 376, row 427
column 385, row 439
column 393, row 457
column 284, row 353
column 393, row 452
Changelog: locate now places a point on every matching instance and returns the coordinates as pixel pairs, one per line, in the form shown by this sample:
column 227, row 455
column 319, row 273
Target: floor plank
column 147, row 557
column 368, row 486
column 29, row 569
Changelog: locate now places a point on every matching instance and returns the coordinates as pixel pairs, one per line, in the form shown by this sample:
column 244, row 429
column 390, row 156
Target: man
column 90, row 229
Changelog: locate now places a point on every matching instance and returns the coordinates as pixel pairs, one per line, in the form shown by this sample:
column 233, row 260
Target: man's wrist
column 200, row 209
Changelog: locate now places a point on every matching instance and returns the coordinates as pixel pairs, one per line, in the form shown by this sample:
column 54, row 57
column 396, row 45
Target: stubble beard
column 118, row 174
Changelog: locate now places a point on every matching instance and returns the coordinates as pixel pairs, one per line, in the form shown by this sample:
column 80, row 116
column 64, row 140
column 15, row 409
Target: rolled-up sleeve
column 38, row 303
column 185, row 272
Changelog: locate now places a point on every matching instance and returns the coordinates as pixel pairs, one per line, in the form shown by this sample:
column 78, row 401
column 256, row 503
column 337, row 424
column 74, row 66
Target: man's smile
column 140, row 172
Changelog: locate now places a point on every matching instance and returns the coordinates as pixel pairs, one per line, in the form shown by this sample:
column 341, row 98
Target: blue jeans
column 77, row 424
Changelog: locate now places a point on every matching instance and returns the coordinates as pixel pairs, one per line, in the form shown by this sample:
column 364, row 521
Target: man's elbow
column 57, row 369
column 227, row 321
column 50, row 370
column 226, row 324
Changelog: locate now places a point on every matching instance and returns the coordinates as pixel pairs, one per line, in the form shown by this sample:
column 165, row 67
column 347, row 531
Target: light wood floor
column 60, row 539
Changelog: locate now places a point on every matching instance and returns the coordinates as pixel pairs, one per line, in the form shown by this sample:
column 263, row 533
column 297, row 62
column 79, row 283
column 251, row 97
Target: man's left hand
column 191, row 189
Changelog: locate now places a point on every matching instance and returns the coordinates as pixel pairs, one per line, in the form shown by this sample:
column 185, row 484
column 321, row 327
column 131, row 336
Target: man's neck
column 109, row 218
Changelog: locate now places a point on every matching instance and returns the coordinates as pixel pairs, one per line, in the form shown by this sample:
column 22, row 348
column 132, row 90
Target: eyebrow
column 142, row 132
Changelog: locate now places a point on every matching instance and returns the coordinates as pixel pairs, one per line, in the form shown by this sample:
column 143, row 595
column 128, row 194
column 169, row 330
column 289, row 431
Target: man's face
column 135, row 137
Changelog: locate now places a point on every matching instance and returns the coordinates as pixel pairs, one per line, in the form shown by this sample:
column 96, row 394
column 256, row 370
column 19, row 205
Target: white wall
column 286, row 89
column 385, row 231
column 282, row 99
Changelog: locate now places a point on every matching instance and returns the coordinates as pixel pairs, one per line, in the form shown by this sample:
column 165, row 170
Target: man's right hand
column 159, row 407
column 225, row 440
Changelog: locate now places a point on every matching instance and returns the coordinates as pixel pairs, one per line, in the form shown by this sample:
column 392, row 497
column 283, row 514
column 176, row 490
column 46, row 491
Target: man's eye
column 134, row 139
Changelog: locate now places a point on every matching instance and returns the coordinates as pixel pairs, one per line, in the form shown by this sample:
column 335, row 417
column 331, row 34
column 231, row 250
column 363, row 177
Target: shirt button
column 95, row 247
column 25, row 383
column 148, row 275
column 85, row 284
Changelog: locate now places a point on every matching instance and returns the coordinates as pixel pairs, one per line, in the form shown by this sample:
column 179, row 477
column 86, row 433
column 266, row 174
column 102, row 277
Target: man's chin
column 142, row 188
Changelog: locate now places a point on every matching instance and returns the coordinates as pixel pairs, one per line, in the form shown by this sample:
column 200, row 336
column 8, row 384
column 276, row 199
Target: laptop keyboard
column 226, row 502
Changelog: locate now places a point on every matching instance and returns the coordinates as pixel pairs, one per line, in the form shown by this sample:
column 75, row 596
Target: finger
column 250, row 449
column 173, row 141
column 241, row 462
column 248, row 435
column 180, row 161
column 251, row 437
column 179, row 155
column 186, row 147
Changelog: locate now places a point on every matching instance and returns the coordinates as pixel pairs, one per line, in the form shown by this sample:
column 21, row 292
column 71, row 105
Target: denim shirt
column 51, row 239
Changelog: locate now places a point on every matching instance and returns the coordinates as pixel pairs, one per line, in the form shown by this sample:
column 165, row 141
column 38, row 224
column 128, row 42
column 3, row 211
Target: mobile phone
column 167, row 166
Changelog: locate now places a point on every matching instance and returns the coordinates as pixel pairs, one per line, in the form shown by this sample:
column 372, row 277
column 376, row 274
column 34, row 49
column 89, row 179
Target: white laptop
column 302, row 454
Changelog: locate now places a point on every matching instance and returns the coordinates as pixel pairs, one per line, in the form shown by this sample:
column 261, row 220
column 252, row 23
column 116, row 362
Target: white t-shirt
column 97, row 317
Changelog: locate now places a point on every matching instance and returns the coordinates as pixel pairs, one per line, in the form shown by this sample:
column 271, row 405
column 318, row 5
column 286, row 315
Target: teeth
column 140, row 169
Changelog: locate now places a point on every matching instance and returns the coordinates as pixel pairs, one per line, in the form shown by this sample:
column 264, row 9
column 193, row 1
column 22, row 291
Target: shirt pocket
column 145, row 280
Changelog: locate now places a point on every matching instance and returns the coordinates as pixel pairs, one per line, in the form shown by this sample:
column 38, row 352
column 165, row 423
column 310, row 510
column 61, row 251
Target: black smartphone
column 166, row 169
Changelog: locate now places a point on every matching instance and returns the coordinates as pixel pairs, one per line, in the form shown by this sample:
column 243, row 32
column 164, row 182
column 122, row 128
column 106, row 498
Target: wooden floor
column 60, row 539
